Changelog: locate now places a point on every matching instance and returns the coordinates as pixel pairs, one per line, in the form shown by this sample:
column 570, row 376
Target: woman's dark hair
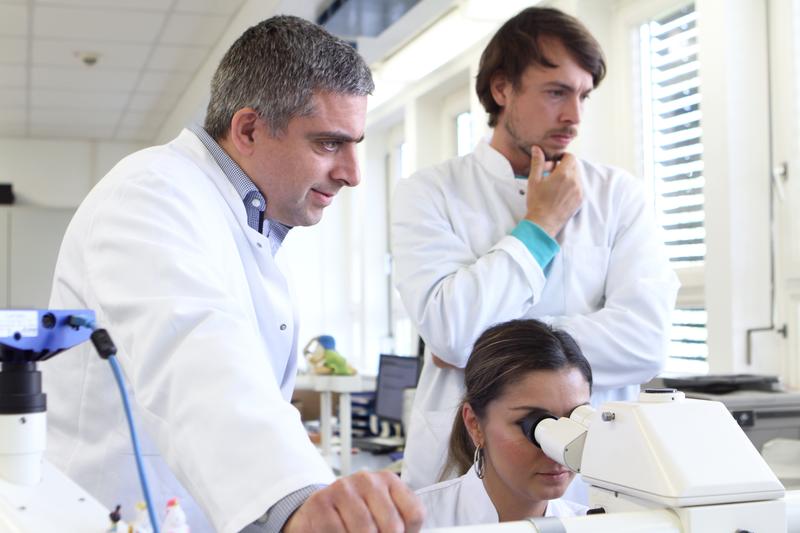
column 518, row 45
column 503, row 355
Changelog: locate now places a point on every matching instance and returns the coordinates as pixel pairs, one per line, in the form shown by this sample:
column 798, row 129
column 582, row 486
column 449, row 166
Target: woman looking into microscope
column 515, row 368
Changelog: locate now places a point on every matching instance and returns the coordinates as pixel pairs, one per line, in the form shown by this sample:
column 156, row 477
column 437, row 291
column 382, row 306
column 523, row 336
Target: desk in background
column 344, row 386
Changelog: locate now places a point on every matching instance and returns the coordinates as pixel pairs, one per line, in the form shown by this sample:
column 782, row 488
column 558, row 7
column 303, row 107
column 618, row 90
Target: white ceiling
column 148, row 52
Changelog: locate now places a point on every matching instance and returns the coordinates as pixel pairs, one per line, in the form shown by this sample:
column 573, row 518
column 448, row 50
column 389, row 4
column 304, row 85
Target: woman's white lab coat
column 161, row 250
column 464, row 502
column 459, row 271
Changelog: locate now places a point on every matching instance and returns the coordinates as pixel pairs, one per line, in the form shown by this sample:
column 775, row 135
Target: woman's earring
column 479, row 462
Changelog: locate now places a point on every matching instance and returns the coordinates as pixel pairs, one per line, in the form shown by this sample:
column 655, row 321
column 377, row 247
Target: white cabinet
column 30, row 238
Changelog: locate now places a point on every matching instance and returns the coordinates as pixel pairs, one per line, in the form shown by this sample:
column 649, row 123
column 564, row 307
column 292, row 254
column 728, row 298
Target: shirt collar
column 254, row 202
column 493, row 161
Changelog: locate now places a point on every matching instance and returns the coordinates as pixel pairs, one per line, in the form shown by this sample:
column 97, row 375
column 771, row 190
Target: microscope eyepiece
column 531, row 420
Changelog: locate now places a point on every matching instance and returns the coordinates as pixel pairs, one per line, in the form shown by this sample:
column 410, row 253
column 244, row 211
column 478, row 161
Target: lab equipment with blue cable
column 34, row 495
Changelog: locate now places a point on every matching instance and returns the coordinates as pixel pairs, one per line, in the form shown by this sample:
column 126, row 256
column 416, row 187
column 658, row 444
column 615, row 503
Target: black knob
column 48, row 321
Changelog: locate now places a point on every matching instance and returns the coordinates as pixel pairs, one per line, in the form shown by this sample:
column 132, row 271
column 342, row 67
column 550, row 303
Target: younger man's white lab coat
column 459, row 271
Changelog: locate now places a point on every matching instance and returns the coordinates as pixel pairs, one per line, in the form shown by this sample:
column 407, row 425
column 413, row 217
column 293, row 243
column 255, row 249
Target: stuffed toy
column 323, row 359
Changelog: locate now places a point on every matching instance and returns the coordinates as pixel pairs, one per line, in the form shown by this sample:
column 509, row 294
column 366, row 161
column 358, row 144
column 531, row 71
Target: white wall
column 33, row 238
column 785, row 99
column 57, row 173
column 50, row 178
column 736, row 159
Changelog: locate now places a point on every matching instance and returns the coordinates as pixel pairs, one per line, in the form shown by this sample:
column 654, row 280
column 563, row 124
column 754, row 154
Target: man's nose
column 346, row 169
column 571, row 112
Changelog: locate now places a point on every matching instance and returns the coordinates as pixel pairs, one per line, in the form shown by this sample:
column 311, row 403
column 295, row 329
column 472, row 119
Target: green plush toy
column 324, row 359
column 337, row 363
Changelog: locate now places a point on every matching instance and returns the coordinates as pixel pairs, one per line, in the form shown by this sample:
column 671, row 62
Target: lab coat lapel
column 474, row 503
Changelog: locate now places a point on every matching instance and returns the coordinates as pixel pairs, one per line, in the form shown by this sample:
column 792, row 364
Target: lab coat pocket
column 585, row 270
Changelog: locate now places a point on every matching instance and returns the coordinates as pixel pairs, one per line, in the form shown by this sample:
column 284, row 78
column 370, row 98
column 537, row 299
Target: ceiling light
column 447, row 38
column 88, row 58
column 434, row 47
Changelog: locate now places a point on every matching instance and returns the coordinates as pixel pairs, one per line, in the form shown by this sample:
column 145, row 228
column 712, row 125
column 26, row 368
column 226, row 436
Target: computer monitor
column 395, row 374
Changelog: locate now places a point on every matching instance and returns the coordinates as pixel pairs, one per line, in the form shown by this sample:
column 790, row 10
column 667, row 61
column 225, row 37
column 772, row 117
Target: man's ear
column 242, row 133
column 501, row 88
column 472, row 424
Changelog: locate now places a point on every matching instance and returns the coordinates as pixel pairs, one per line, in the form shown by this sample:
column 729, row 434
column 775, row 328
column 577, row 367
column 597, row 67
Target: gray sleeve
column 274, row 519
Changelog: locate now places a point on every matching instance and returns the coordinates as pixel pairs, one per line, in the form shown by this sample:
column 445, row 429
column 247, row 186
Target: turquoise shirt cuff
column 541, row 246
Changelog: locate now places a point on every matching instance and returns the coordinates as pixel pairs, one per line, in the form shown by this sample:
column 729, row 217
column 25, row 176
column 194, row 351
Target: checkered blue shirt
column 254, row 202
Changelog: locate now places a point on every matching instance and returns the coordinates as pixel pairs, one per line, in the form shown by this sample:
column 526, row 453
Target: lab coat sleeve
column 159, row 272
column 626, row 340
column 450, row 292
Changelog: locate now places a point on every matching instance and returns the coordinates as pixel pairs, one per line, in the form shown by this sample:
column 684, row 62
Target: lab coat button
column 283, row 327
column 259, row 245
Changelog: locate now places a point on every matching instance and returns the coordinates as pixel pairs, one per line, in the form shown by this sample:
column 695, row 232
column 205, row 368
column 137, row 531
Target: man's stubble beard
column 525, row 147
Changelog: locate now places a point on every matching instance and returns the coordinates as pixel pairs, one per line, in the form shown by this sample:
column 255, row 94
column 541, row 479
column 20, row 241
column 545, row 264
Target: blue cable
column 136, row 450
column 78, row 321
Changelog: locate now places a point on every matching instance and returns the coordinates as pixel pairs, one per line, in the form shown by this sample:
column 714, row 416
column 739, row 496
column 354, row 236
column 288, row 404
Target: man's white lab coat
column 459, row 271
column 161, row 250
column 464, row 502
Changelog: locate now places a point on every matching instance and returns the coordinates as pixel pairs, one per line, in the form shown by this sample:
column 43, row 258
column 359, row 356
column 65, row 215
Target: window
column 687, row 348
column 464, row 135
column 796, row 57
column 671, row 136
column 402, row 334
column 672, row 131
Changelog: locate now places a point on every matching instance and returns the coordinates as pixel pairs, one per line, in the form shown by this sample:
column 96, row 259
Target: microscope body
column 35, row 497
column 669, row 452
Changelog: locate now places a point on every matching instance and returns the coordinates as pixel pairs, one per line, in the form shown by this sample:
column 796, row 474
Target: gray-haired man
column 174, row 250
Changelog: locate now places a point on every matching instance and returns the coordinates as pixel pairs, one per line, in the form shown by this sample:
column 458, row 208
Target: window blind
column 672, row 124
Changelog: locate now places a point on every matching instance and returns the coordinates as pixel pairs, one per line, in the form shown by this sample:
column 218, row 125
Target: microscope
column 662, row 464
column 35, row 497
